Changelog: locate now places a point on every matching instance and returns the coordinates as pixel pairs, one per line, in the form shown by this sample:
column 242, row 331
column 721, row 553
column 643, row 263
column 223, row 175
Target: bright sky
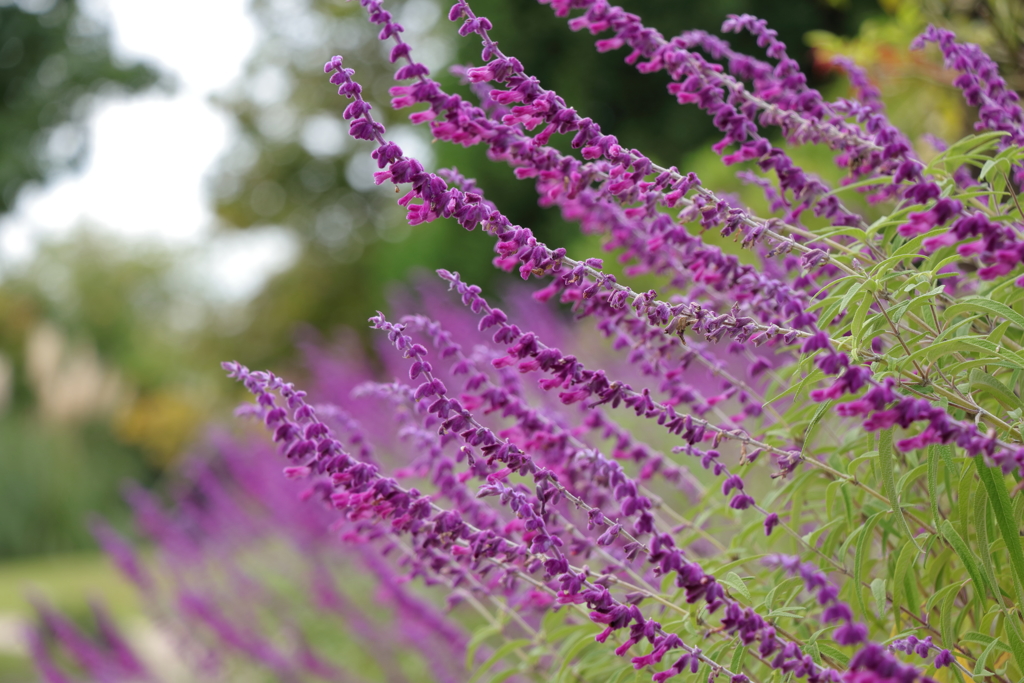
column 145, row 172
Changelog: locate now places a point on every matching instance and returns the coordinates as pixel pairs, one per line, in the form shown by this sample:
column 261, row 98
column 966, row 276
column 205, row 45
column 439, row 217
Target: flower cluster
column 664, row 501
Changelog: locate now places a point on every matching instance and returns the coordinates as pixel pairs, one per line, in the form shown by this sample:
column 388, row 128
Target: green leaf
column 946, row 452
column 903, row 564
column 908, row 478
column 963, row 500
column 982, row 639
column 573, row 647
column 889, row 483
column 851, row 469
column 812, row 378
column 561, row 632
column 979, row 667
column 982, row 381
column 1005, row 520
column 878, row 591
column 984, row 545
column 812, row 537
column 938, row 596
column 956, row 154
column 858, row 317
column 499, row 654
column 667, row 582
column 914, row 303
column 830, row 495
column 844, row 303
column 775, row 614
column 966, row 557
column 933, row 484
column 622, row 674
column 947, row 618
column 833, row 654
column 738, row 655
column 973, row 304
column 818, row 414
column 972, row 344
column 863, row 549
column 936, row 565
column 477, row 640
column 733, row 581
column 552, row 620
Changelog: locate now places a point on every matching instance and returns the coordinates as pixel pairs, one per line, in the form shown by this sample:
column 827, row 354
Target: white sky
column 148, row 155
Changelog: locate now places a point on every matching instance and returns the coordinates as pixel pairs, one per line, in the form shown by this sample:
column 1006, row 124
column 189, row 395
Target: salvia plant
column 798, row 457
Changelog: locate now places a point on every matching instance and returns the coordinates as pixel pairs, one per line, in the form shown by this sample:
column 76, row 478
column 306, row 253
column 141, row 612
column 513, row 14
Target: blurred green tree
column 65, row 345
column 54, row 60
column 106, row 375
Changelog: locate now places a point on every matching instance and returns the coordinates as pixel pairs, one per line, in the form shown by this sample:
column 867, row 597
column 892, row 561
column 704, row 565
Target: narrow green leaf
column 738, row 655
column 477, row 640
column 903, row 564
column 851, row 538
column 568, row 652
column 818, row 414
column 848, row 509
column 775, row 614
column 939, row 595
column 1004, row 519
column 552, row 620
column 915, row 303
column 851, row 469
column 889, row 482
column 622, row 674
column 938, row 564
column 946, row 452
column 812, row 537
column 667, row 582
column 878, row 591
column 983, row 381
column 982, row 639
column 830, row 495
column 963, row 500
column 947, row 620
column 974, row 345
column 832, row 654
column 561, row 632
column 971, row 143
column 733, row 581
column 863, row 549
column 908, row 478
column 979, row 666
column 844, row 303
column 859, row 315
column 985, row 551
column 933, row 484
column 966, row 557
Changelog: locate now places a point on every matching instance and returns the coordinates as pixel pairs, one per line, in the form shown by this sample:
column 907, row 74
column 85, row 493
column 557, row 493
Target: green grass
column 66, row 581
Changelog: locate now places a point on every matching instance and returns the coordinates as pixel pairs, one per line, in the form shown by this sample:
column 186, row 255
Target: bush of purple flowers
column 797, row 458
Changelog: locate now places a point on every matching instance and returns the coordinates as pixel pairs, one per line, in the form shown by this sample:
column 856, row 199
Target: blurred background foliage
column 109, row 353
column 53, row 65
